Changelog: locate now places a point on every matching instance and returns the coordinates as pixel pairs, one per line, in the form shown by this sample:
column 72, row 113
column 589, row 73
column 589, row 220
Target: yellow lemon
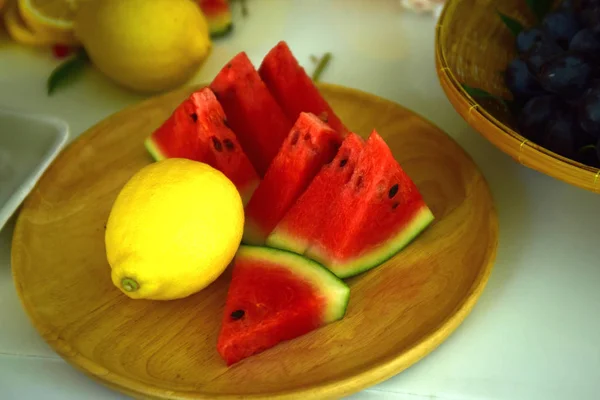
column 147, row 46
column 173, row 229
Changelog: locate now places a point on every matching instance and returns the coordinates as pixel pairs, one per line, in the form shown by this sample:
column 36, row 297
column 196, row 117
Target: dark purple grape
column 559, row 136
column 536, row 113
column 566, row 5
column 579, row 5
column 589, row 111
column 527, row 38
column 541, row 52
column 586, row 42
column 590, row 17
column 593, row 85
column 561, row 25
column 585, row 3
column 567, row 75
column 520, row 81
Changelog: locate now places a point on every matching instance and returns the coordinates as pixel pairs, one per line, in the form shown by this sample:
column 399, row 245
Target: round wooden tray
column 398, row 312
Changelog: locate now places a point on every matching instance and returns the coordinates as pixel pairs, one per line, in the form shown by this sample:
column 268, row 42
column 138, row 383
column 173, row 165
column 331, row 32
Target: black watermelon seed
column 237, row 314
column 359, row 182
column 295, row 137
column 307, row 136
column 343, row 162
column 194, row 117
column 229, row 65
column 395, row 205
column 217, row 144
column 393, row 191
column 228, row 144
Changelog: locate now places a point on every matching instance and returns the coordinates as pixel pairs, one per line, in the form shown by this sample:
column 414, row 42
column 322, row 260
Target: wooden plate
column 398, row 312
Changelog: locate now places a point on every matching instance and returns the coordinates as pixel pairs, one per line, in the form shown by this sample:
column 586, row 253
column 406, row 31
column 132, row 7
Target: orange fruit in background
column 52, row 19
column 18, row 31
column 39, row 22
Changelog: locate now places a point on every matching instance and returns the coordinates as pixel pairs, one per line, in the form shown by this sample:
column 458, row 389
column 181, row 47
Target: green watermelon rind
column 252, row 235
column 154, row 151
column 336, row 291
column 421, row 220
column 282, row 239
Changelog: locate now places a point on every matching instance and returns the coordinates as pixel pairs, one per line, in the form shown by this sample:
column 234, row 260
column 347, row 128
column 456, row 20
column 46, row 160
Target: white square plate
column 28, row 144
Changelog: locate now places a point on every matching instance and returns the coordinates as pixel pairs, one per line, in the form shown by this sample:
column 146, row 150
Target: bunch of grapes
column 556, row 77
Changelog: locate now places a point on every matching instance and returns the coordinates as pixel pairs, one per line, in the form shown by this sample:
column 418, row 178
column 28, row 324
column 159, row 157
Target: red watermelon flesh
column 276, row 296
column 198, row 130
column 374, row 215
column 177, row 136
column 253, row 114
column 310, row 145
column 309, row 214
column 293, row 89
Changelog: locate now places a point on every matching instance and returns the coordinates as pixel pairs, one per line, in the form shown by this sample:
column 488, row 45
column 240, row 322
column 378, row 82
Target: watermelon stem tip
column 129, row 284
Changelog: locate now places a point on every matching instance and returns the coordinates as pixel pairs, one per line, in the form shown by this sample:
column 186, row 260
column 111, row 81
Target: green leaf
column 586, row 148
column 68, row 71
column 321, row 66
column 512, row 24
column 476, row 92
column 540, row 8
column 480, row 93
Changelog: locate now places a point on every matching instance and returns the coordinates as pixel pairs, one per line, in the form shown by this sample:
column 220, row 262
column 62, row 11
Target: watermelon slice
column 310, row 145
column 252, row 112
column 197, row 130
column 293, row 89
column 275, row 296
column 302, row 222
column 375, row 214
column 218, row 16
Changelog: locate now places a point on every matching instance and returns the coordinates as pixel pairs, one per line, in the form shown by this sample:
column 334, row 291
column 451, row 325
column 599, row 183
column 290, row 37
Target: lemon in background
column 173, row 229
column 147, row 46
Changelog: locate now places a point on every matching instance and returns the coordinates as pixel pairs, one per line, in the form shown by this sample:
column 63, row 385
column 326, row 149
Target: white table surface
column 535, row 332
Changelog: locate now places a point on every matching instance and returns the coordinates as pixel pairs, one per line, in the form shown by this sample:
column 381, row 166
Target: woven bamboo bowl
column 473, row 47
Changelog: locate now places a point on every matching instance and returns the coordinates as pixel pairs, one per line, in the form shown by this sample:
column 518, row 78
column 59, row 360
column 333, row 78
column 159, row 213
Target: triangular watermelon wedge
column 375, row 215
column 275, row 296
column 310, row 213
column 198, row 130
column 293, row 89
column 310, row 144
column 254, row 115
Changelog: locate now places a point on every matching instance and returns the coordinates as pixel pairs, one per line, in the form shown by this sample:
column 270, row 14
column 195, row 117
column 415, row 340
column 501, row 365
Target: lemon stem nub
column 130, row 285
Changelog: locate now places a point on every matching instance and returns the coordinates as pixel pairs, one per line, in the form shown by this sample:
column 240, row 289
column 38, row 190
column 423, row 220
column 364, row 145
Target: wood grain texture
column 473, row 46
column 397, row 314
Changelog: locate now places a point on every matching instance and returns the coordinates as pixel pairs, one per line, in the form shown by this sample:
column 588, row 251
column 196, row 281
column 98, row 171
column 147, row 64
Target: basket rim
column 476, row 107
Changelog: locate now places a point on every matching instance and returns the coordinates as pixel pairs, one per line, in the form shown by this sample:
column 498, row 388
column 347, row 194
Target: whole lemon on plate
column 147, row 46
column 173, row 229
